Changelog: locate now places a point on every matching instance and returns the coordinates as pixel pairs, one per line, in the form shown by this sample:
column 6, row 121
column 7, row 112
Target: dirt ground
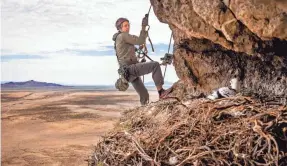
column 58, row 127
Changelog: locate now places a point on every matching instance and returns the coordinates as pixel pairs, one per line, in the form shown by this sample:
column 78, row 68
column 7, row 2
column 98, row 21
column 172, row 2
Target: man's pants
column 140, row 69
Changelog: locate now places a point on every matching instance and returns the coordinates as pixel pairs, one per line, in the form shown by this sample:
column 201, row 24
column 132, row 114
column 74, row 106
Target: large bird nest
column 229, row 131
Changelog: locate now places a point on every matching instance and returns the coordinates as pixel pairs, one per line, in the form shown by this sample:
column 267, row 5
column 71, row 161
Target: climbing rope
column 142, row 50
column 148, row 30
column 166, row 58
column 144, row 45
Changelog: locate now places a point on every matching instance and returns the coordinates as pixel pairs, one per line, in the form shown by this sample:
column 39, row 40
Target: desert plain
column 58, row 126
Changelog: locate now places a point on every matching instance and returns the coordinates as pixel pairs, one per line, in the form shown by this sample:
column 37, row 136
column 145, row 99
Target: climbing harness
column 141, row 54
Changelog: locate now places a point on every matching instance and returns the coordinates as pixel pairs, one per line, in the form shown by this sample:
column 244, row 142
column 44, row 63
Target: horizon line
column 68, row 84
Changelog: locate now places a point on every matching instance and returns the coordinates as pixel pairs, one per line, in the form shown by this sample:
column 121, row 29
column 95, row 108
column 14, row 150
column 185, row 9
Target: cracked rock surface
column 216, row 40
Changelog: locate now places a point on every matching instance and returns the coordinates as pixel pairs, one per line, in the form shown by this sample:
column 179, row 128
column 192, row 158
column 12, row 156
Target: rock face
column 216, row 40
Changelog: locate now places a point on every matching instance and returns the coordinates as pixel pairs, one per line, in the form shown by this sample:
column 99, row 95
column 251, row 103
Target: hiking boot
column 164, row 93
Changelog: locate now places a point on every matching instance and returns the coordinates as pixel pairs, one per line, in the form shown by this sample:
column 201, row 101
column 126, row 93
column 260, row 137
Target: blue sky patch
column 108, row 52
column 17, row 57
column 160, row 49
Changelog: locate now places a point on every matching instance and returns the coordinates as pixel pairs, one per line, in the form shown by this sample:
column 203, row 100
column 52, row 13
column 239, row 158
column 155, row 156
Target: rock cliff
column 215, row 40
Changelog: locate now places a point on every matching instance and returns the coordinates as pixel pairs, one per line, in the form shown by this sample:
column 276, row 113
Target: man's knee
column 155, row 65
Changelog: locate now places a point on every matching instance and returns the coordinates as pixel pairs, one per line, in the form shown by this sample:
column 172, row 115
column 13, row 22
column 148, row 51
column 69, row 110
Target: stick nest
column 229, row 131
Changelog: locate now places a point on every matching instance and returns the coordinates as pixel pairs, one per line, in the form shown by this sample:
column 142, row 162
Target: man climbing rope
column 125, row 51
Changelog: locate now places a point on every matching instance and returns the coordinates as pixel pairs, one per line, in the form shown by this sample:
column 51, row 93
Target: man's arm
column 132, row 39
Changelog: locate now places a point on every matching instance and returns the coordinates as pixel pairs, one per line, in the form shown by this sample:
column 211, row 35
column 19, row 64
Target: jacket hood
column 115, row 36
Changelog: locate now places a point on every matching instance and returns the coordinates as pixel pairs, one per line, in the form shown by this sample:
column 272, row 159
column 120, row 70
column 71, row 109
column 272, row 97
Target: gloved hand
column 145, row 21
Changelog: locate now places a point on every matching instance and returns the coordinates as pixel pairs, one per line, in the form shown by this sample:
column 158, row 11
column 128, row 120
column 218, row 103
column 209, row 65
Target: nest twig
column 229, row 131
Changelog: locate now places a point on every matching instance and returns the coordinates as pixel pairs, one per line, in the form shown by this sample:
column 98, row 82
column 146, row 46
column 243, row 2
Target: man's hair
column 119, row 22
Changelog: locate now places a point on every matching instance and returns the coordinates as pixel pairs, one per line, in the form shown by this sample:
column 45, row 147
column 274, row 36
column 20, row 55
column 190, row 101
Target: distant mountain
column 30, row 83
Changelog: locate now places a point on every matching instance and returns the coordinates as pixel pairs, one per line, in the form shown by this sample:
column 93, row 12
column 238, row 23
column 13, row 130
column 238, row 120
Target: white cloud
column 70, row 69
column 34, row 26
column 49, row 28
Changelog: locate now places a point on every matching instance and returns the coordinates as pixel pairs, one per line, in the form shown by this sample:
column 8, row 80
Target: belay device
column 167, row 59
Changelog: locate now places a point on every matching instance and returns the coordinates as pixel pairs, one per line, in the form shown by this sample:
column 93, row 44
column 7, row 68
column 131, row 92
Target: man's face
column 125, row 27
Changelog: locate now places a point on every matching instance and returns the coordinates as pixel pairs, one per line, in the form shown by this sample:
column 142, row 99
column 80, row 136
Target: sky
column 70, row 42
